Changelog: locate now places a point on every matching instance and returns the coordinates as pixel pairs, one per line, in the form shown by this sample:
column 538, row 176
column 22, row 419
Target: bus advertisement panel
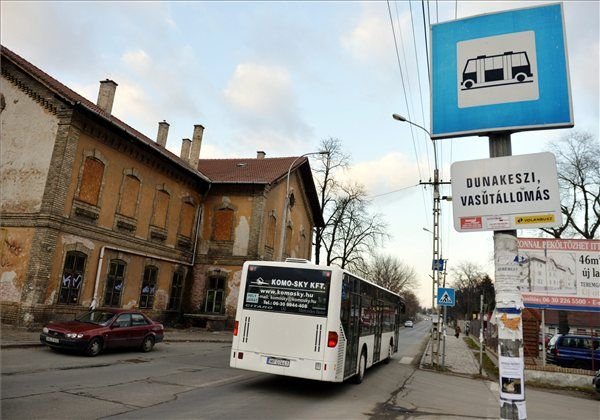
column 285, row 289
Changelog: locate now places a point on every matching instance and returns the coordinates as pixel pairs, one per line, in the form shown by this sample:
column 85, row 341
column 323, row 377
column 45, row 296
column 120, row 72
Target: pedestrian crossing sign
column 445, row 296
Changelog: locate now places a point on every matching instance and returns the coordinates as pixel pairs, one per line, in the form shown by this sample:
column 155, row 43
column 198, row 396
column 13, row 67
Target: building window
column 72, row 278
column 91, row 180
column 129, row 196
column 215, row 295
column 271, row 231
column 186, row 220
column 176, row 291
column 161, row 205
column 114, row 283
column 148, row 287
column 223, row 226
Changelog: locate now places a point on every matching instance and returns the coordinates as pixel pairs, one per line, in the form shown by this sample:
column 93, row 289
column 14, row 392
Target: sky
column 281, row 76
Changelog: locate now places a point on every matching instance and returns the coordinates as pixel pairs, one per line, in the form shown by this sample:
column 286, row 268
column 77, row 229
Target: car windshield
column 97, row 317
column 553, row 340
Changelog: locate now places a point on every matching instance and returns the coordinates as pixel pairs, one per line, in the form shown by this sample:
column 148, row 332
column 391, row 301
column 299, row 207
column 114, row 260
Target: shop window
column 91, row 181
column 148, row 287
column 215, row 295
column 176, row 291
column 72, row 278
column 223, row 226
column 115, row 281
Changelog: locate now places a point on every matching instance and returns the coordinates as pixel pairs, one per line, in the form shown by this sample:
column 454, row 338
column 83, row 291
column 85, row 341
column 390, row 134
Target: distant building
column 94, row 213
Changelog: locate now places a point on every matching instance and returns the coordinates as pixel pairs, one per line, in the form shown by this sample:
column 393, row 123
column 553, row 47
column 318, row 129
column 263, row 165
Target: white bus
column 310, row 321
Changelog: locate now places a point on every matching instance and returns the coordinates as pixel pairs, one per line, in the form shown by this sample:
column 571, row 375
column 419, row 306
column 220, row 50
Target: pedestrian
column 456, row 331
column 467, row 328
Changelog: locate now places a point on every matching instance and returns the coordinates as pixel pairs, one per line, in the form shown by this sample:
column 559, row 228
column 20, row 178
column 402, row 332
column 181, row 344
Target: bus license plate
column 278, row 362
column 52, row 339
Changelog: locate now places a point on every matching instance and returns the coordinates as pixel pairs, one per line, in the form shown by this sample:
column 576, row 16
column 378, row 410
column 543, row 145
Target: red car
column 102, row 329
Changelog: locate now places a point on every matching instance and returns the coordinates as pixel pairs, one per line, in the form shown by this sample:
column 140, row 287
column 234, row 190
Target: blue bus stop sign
column 504, row 71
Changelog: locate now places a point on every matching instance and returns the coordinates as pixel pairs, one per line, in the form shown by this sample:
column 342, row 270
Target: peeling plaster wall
column 241, row 237
column 28, row 134
column 15, row 246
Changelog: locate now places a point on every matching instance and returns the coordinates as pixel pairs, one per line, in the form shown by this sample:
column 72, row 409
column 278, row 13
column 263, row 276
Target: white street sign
column 503, row 193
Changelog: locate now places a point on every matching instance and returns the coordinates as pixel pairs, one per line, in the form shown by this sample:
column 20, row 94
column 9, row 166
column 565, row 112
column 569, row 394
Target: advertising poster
column 511, row 378
column 560, row 273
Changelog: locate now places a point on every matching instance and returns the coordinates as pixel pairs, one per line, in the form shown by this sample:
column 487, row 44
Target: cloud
column 371, row 38
column 263, row 100
column 390, row 172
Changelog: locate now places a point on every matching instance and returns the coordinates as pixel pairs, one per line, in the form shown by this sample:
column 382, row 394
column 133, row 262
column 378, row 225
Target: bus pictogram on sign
column 497, row 70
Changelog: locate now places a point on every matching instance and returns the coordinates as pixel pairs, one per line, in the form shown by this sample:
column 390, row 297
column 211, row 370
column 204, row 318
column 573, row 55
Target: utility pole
column 509, row 305
column 445, row 317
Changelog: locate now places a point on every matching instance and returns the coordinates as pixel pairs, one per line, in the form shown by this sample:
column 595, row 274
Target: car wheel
column 362, row 366
column 148, row 344
column 94, row 347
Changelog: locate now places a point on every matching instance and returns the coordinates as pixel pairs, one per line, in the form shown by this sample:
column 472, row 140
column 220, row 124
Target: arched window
column 115, row 281
column 148, row 287
column 72, row 278
column 129, row 196
column 176, row 290
column 223, row 225
column 271, row 231
column 91, row 180
column 187, row 219
column 161, row 207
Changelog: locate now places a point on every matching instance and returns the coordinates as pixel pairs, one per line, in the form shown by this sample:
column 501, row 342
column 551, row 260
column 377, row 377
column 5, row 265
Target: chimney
column 196, row 144
column 260, row 154
column 106, row 95
column 163, row 132
column 185, row 149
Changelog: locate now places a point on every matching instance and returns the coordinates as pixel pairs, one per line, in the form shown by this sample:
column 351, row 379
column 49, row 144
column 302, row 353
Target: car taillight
column 235, row 327
column 332, row 339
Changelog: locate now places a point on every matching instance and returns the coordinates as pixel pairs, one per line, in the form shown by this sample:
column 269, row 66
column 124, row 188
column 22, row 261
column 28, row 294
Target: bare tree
column 578, row 164
column 353, row 230
column 411, row 304
column 391, row 273
column 467, row 279
column 327, row 185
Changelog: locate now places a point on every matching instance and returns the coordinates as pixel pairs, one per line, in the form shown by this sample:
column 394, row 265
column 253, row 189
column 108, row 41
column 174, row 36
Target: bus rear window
column 289, row 290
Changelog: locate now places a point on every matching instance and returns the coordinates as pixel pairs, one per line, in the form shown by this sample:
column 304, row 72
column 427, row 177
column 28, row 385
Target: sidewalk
column 459, row 358
column 11, row 337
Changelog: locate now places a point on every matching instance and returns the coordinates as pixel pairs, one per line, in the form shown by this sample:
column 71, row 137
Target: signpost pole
column 508, row 308
column 480, row 333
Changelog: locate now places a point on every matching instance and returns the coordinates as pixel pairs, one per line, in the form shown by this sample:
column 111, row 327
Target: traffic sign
column 445, row 296
column 438, row 265
column 504, row 71
column 503, row 193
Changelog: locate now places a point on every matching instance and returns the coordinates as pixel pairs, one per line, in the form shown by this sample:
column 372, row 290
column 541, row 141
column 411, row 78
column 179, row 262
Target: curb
column 31, row 344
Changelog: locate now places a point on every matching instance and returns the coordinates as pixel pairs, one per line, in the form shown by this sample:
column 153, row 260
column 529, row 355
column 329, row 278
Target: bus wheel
column 520, row 77
column 469, row 84
column 390, row 352
column 362, row 366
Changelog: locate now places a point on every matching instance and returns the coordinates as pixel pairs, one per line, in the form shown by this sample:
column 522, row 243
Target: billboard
column 504, row 71
column 560, row 273
column 504, row 193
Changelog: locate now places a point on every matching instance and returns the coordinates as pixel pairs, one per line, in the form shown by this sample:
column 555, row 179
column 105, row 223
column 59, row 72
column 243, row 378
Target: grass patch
column 471, row 343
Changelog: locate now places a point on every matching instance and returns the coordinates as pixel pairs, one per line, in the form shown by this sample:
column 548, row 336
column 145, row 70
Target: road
column 185, row 380
column 193, row 381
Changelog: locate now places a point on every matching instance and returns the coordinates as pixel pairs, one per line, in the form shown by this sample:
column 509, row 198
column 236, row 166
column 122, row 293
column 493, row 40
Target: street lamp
column 436, row 228
column 287, row 199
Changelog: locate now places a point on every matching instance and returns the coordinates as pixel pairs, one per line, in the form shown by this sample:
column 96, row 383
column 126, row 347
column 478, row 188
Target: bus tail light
column 332, row 339
column 235, row 327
